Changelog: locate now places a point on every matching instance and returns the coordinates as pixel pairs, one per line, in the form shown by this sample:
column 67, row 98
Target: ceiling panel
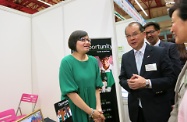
column 154, row 8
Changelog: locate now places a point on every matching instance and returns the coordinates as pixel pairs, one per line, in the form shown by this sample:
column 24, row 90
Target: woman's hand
column 98, row 116
column 102, row 119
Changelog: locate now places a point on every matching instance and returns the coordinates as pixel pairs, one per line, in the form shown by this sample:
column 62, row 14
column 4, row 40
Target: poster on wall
column 101, row 49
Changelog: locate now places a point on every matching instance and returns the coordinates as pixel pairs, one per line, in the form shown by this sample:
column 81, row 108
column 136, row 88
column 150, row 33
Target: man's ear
column 158, row 32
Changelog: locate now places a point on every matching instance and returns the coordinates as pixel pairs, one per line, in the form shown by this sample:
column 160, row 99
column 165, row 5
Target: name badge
column 151, row 67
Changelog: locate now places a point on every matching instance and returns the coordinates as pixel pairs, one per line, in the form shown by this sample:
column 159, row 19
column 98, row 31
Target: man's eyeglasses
column 133, row 35
column 85, row 39
column 150, row 32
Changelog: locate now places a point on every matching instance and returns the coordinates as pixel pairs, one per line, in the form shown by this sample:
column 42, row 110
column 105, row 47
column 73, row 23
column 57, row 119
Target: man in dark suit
column 147, row 86
column 152, row 30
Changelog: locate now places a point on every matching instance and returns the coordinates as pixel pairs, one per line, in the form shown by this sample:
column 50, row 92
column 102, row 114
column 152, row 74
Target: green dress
column 110, row 79
column 82, row 77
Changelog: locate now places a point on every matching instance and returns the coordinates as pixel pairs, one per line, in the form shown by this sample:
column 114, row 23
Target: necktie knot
column 138, row 52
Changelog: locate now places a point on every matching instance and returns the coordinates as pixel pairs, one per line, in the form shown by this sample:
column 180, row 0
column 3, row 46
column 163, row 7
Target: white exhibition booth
column 32, row 47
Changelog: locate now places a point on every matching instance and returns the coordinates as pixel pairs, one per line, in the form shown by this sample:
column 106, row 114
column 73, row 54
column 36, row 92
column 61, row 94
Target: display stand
column 101, row 49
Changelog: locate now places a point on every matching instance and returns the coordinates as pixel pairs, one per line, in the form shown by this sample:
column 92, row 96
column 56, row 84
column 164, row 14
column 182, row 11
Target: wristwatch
column 147, row 83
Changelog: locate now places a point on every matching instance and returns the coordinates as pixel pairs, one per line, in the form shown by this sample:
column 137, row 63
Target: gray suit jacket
column 180, row 89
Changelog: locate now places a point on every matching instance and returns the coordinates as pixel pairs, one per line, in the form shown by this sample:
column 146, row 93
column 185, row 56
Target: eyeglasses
column 133, row 35
column 150, row 32
column 85, row 39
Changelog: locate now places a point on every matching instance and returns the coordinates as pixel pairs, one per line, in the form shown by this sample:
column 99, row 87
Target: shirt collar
column 142, row 50
column 107, row 70
column 158, row 42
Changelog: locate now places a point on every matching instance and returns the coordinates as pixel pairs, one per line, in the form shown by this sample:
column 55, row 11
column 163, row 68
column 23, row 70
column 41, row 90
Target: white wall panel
column 47, row 51
column 97, row 18
column 123, row 44
column 120, row 33
column 15, row 53
column 51, row 30
column 44, row 40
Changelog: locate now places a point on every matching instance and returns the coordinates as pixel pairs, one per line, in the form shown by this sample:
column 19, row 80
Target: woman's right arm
column 77, row 100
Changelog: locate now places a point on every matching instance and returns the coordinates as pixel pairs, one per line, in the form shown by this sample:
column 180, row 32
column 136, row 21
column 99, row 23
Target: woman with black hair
column 80, row 80
column 178, row 15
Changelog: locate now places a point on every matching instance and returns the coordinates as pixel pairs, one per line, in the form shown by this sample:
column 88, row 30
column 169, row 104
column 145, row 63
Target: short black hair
column 101, row 56
column 74, row 37
column 182, row 7
column 154, row 24
column 173, row 8
column 141, row 28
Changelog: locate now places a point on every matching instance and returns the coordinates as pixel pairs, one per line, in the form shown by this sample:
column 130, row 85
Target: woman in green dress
column 80, row 80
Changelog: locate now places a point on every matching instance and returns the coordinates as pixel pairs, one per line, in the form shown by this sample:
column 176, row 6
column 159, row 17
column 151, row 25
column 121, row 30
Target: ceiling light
column 169, row 1
column 141, row 7
column 170, row 4
column 119, row 15
column 44, row 2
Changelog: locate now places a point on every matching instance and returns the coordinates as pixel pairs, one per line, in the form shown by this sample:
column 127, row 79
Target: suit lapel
column 179, row 83
column 161, row 44
column 179, row 80
column 146, row 58
column 132, row 61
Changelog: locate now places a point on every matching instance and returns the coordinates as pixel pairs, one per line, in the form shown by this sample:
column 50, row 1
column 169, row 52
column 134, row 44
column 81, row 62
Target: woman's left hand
column 101, row 118
column 98, row 116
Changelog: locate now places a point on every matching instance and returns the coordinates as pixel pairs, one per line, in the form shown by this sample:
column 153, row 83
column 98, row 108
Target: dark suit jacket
column 155, row 101
column 173, row 55
column 175, row 60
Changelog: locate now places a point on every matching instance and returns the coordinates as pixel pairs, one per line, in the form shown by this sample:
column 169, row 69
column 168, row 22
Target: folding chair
column 7, row 115
column 29, row 98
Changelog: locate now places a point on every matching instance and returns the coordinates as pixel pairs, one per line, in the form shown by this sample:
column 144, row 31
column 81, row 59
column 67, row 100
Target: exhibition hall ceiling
column 29, row 6
column 153, row 8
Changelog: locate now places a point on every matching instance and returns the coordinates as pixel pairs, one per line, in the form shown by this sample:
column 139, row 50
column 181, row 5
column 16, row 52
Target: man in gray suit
column 152, row 30
column 147, row 74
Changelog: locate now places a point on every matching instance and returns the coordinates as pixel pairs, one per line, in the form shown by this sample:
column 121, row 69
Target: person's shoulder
column 157, row 48
column 90, row 56
column 168, row 43
column 67, row 58
column 92, row 59
column 128, row 53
